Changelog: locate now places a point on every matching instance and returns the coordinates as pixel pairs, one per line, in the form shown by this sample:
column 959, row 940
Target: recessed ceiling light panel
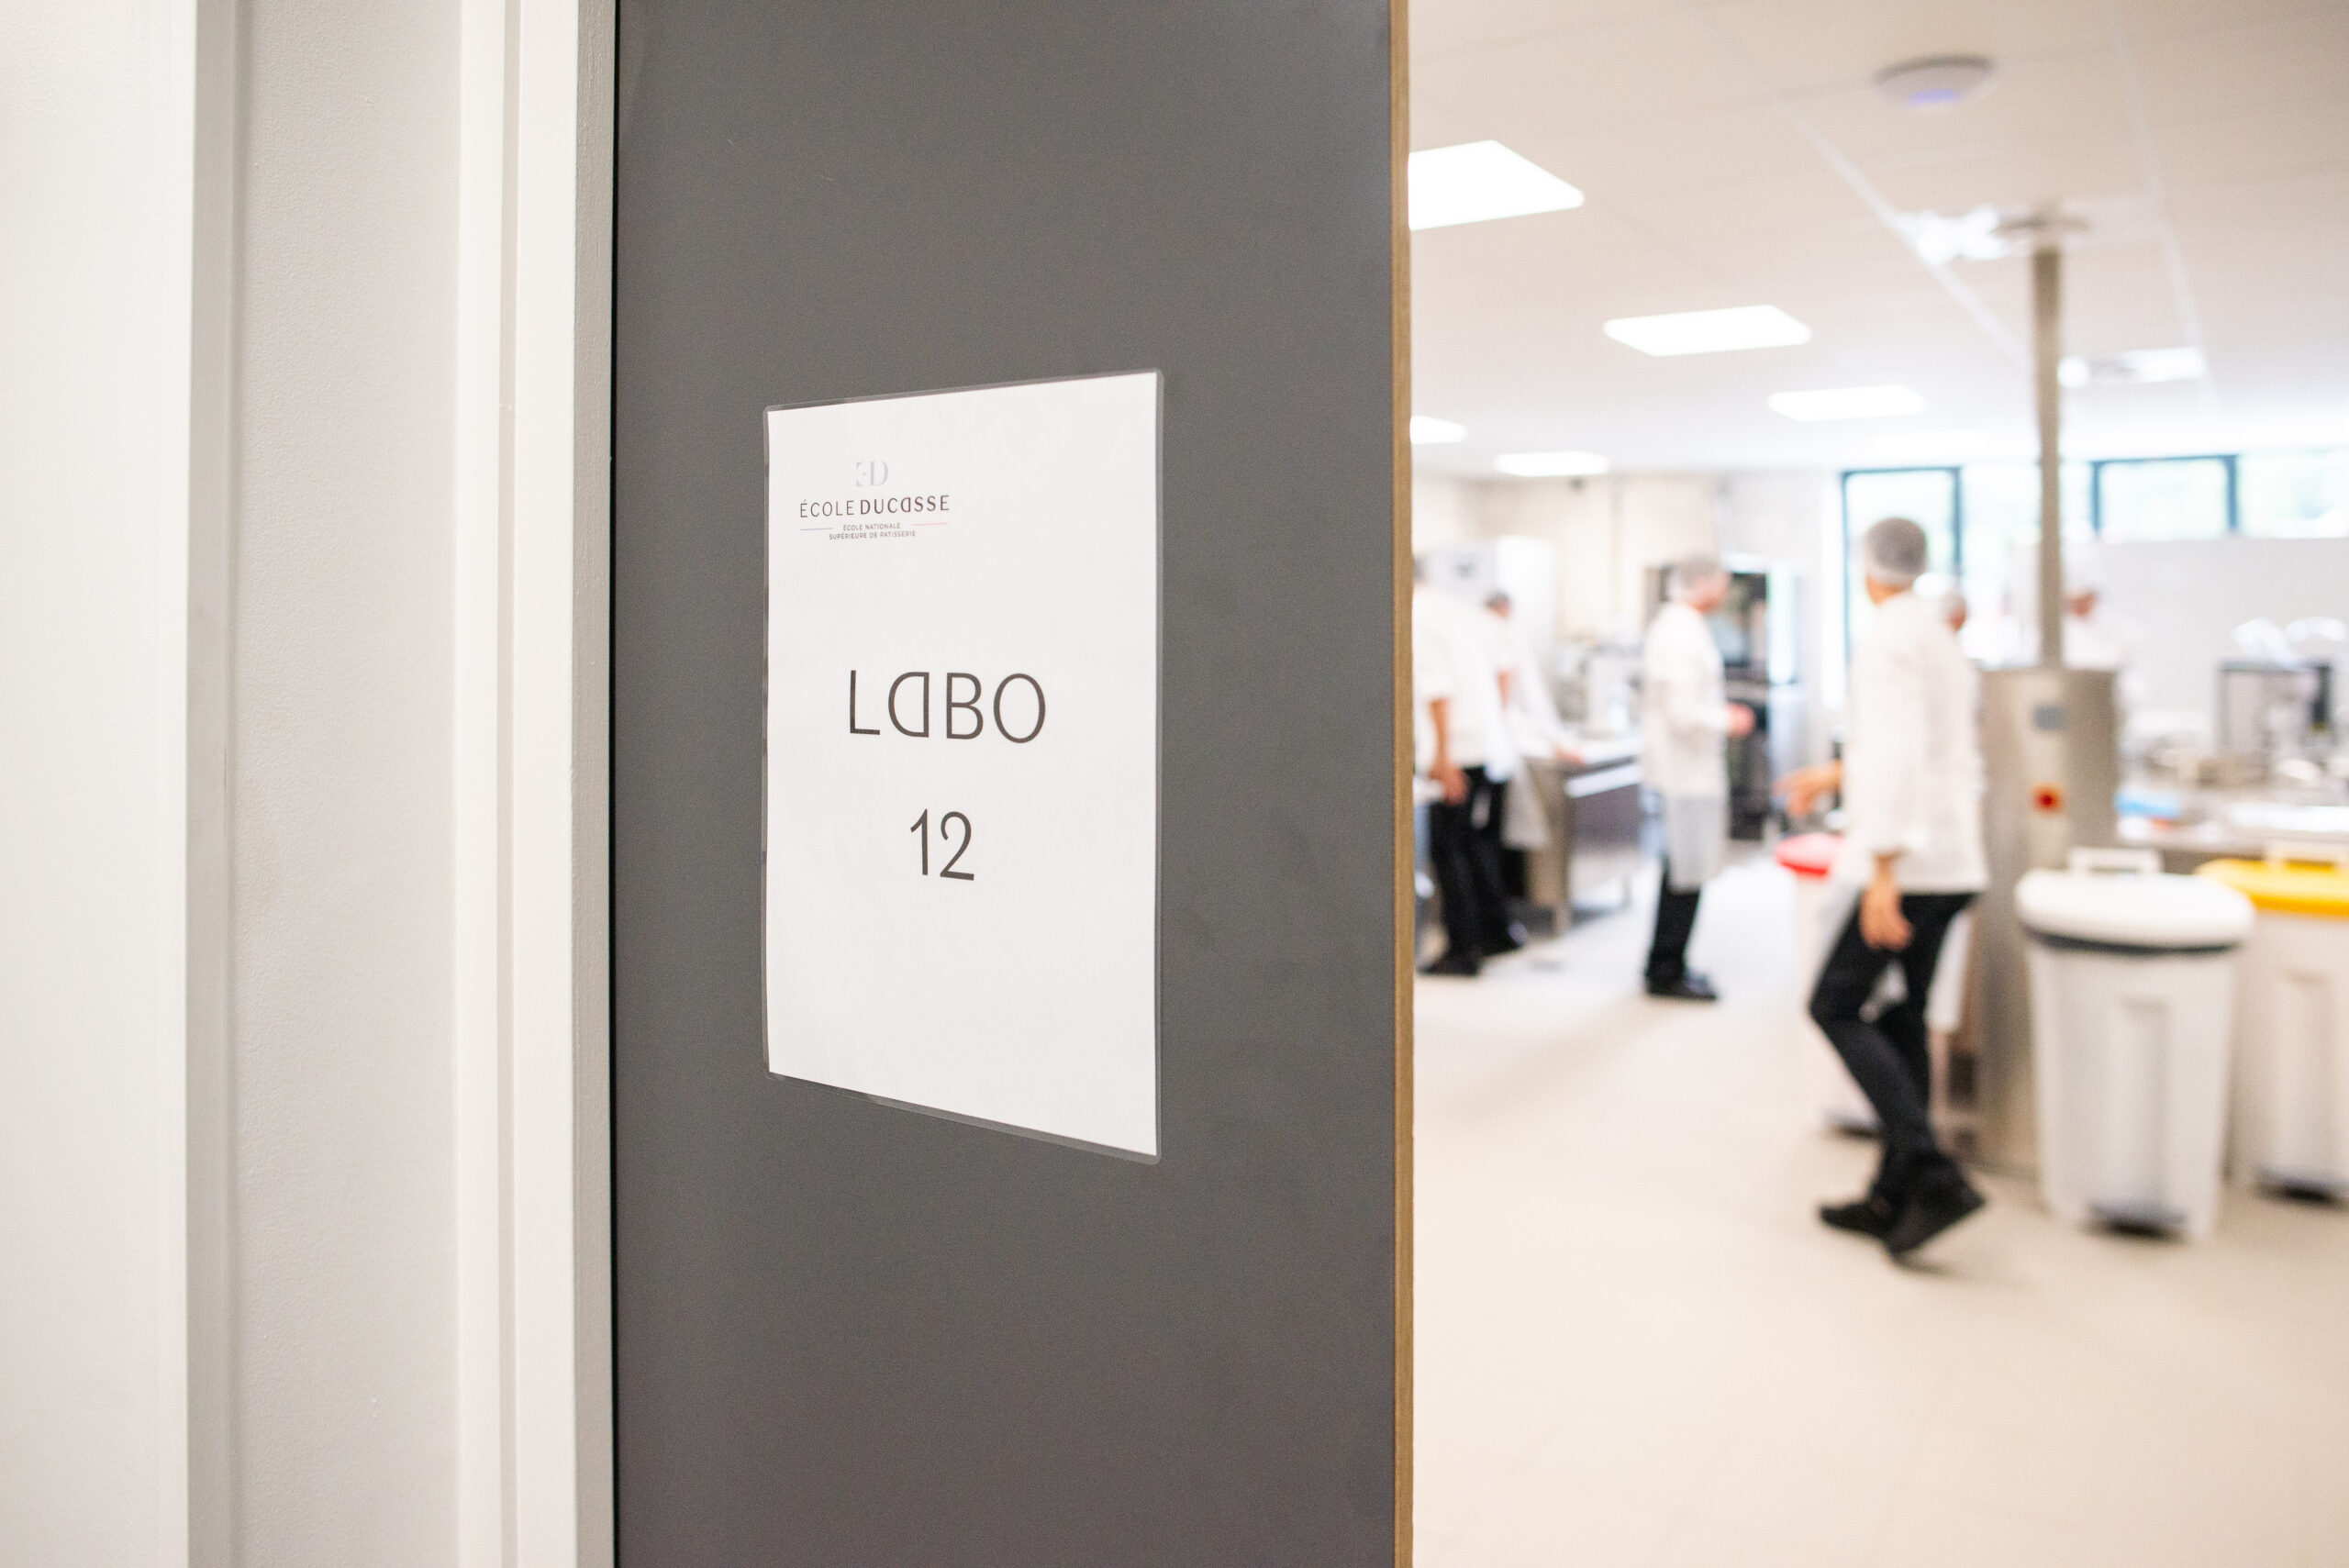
column 1710, row 331
column 1479, row 181
column 1847, row 403
column 1427, row 431
column 2138, row 367
column 1937, row 81
column 1551, row 465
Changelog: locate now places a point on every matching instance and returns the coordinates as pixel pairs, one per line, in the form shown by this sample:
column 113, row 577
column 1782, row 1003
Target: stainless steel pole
column 2047, row 322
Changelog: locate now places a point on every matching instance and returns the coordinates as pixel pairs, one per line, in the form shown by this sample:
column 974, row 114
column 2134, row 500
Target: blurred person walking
column 1911, row 777
column 1686, row 725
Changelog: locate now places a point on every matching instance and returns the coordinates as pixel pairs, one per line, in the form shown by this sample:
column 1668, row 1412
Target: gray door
column 852, row 1334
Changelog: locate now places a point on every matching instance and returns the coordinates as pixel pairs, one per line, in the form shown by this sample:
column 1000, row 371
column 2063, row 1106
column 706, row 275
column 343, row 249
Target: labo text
column 1017, row 706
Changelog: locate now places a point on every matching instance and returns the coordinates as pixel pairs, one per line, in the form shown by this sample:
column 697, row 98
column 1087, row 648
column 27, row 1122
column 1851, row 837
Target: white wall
column 1443, row 511
column 1796, row 516
column 301, row 647
column 1608, row 532
column 91, row 509
column 1611, row 532
column 341, row 744
column 2184, row 598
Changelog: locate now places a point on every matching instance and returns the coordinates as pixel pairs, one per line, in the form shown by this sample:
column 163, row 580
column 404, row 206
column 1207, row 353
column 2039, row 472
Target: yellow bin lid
column 2286, row 886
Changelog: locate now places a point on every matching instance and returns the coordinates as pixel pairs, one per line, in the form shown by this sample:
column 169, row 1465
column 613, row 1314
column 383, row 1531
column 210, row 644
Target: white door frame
column 532, row 772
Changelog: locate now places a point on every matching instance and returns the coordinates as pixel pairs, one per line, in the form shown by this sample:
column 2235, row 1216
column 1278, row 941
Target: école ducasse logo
column 868, row 509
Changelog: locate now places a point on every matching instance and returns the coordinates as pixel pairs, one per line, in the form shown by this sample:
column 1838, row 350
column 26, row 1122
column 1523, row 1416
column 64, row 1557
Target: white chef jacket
column 1684, row 718
column 1532, row 714
column 1912, row 758
column 2103, row 641
column 1452, row 657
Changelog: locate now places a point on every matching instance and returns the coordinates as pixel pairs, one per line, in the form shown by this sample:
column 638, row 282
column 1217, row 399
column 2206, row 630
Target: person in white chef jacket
column 2096, row 636
column 1466, row 750
column 1911, row 777
column 1684, row 725
column 1534, row 724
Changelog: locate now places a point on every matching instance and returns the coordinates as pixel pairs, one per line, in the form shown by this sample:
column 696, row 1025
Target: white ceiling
column 1737, row 153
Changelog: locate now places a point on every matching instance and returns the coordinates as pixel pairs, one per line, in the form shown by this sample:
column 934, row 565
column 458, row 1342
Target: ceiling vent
column 1939, row 82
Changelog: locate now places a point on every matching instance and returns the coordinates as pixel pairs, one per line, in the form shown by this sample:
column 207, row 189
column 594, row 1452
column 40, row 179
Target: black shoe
column 1508, row 940
column 1454, row 963
column 1871, row 1216
column 1687, row 988
column 1934, row 1206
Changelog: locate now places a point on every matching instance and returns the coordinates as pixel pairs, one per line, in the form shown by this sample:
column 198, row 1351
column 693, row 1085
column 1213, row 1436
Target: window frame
column 2229, row 461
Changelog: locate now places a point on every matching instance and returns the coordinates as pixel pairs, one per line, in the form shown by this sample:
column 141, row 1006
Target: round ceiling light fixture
column 1938, row 82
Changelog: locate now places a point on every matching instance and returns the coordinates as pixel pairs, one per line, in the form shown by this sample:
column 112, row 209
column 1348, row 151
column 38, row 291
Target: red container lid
column 1810, row 854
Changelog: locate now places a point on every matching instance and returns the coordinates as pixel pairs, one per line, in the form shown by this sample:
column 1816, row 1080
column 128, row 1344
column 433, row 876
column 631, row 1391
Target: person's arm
column 1882, row 925
column 1888, row 798
column 1433, row 683
column 1444, row 770
column 1804, row 788
column 1675, row 680
column 1678, row 678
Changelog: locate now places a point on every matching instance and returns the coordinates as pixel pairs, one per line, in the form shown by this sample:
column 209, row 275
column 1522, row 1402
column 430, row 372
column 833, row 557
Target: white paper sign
column 962, row 793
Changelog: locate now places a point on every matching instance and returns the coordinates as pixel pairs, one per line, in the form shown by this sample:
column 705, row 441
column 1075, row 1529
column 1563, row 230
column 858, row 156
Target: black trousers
column 1676, row 917
column 1888, row 1057
column 1464, row 843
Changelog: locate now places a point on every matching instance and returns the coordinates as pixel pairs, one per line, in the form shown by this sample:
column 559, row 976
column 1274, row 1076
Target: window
column 2001, row 552
column 2164, row 498
column 2295, row 495
column 1983, row 521
column 1926, row 495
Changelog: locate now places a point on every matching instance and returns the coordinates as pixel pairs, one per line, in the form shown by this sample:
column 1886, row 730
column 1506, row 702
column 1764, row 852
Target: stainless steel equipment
column 2052, row 756
column 2268, row 713
column 2051, row 751
column 1592, row 807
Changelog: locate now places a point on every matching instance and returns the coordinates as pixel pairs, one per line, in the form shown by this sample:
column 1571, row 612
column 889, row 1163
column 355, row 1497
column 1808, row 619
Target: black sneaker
column 1687, row 988
column 1934, row 1206
column 1871, row 1216
column 1454, row 963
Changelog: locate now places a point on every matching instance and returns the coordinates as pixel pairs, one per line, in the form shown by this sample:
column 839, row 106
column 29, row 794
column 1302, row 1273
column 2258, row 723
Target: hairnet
column 1693, row 574
column 1894, row 551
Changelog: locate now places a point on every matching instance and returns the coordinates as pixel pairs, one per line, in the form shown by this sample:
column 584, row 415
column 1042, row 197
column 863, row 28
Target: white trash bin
column 2132, row 997
column 2291, row 1047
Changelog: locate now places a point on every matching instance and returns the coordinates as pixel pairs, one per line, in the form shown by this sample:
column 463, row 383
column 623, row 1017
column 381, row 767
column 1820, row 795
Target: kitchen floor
column 1637, row 1346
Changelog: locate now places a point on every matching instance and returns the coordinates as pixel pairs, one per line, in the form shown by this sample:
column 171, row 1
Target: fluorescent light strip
column 1710, row 331
column 1479, row 181
column 1551, row 465
column 1847, row 403
column 1427, row 431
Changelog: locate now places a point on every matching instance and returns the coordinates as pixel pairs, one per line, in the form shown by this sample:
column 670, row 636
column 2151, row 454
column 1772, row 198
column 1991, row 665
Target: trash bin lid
column 1810, row 854
column 2286, row 887
column 2155, row 913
